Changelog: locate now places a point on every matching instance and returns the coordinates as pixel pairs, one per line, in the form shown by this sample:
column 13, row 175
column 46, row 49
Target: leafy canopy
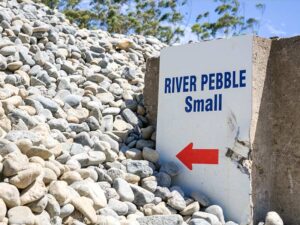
column 229, row 22
column 164, row 19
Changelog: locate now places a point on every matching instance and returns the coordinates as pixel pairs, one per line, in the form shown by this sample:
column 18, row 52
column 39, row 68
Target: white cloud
column 84, row 4
column 188, row 35
column 274, row 30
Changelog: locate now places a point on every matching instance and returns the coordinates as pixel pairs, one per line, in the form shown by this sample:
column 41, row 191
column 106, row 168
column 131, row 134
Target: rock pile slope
column 75, row 143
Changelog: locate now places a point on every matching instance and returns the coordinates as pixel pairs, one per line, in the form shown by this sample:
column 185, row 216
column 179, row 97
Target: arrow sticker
column 189, row 156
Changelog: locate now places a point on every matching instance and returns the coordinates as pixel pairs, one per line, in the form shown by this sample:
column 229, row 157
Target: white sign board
column 204, row 115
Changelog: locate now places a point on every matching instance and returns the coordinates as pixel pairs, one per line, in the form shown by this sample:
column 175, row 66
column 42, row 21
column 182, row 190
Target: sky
column 281, row 17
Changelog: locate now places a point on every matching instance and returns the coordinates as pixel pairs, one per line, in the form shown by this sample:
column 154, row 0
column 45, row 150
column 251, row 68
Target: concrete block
column 276, row 134
column 151, row 88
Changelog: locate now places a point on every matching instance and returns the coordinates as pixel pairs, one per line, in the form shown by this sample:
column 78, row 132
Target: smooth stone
column 83, row 127
column 105, row 98
column 140, row 144
column 115, row 173
column 176, row 201
column 72, row 100
column 21, row 114
column 130, row 117
column 107, row 123
column 39, row 205
column 159, row 209
column 163, row 193
column 13, row 66
column 3, row 209
column 59, row 190
column 20, row 215
column 161, row 219
column 170, row 168
column 40, row 29
column 56, row 220
column 131, row 208
column 111, row 111
column 40, row 152
column 85, row 206
column 141, row 195
column 77, row 149
column 124, row 190
column 134, row 153
column 190, row 209
column 33, row 192
column 273, row 218
column 121, row 125
column 149, row 183
column 129, row 73
column 113, row 144
column 59, row 124
column 70, row 177
column 10, row 195
column 93, row 191
column 8, row 50
column 93, row 123
column 97, row 49
column 13, row 163
column 107, row 220
column 97, row 78
column 108, row 212
column 163, row 179
column 147, row 132
column 83, row 138
column 198, row 222
column 47, row 103
column 43, row 219
column 211, row 218
column 150, row 154
column 68, row 67
column 52, row 207
column 139, row 167
column 96, row 158
column 233, row 223
column 25, row 177
column 7, row 147
column 119, row 207
column 66, row 210
column 217, row 211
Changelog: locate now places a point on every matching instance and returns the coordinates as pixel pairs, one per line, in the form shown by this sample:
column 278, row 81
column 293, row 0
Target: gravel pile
column 75, row 143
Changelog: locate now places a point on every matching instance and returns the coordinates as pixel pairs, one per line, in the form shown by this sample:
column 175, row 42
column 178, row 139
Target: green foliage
column 160, row 18
column 83, row 18
column 163, row 19
column 229, row 21
column 51, row 3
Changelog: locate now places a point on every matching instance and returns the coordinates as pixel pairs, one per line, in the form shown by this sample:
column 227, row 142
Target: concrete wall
column 151, row 88
column 275, row 128
column 261, row 125
column 276, row 139
column 283, row 76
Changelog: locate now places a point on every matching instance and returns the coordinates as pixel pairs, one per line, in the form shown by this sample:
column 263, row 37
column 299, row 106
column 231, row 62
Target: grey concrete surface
column 151, row 88
column 276, row 145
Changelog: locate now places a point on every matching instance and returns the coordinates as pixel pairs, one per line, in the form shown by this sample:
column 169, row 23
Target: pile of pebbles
column 75, row 143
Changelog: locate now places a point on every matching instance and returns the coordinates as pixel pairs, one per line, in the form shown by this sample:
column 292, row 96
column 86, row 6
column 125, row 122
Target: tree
column 160, row 18
column 51, row 3
column 163, row 19
column 229, row 21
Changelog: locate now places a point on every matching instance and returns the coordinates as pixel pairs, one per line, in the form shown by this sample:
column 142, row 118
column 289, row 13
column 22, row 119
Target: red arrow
column 189, row 156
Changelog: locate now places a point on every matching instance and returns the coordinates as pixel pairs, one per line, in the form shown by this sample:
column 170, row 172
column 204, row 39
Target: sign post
column 204, row 119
